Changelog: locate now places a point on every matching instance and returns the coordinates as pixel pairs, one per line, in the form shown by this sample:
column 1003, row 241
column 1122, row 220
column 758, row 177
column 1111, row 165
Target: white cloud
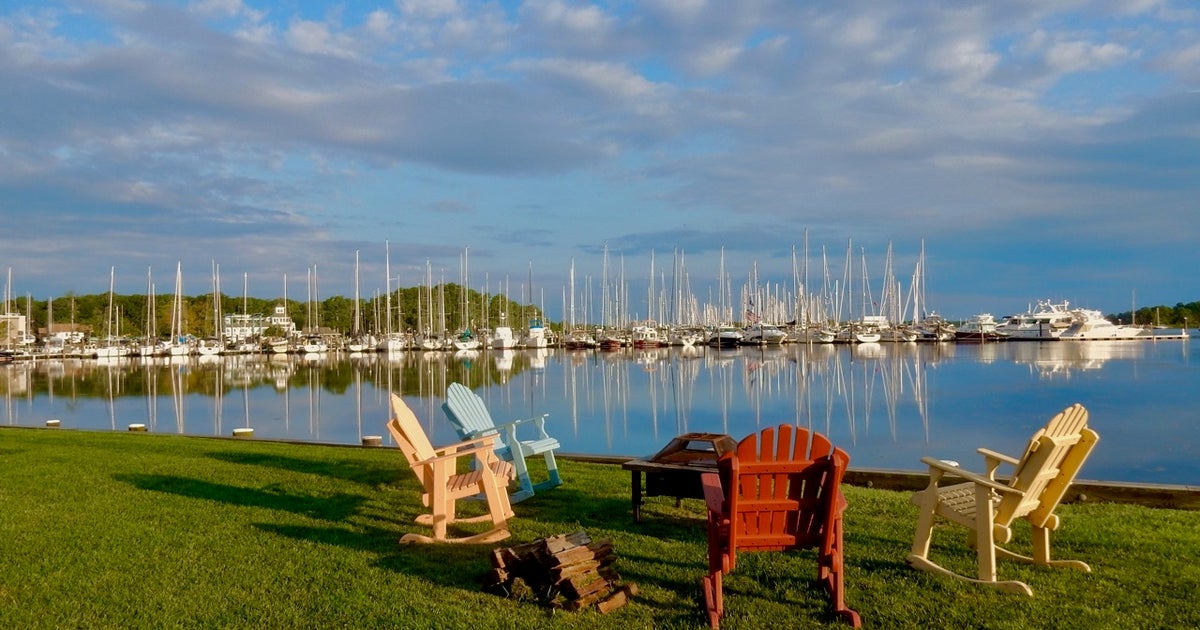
column 430, row 9
column 316, row 38
column 1080, row 56
column 586, row 23
column 584, row 20
column 608, row 78
column 223, row 8
column 680, row 8
column 379, row 24
column 890, row 141
column 965, row 61
column 1184, row 63
column 861, row 31
column 715, row 59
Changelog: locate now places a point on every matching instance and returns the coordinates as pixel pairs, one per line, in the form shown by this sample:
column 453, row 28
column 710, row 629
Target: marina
column 888, row 404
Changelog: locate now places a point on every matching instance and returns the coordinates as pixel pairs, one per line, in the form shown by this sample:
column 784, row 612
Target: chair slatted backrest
column 781, row 490
column 411, row 438
column 467, row 410
column 1052, row 458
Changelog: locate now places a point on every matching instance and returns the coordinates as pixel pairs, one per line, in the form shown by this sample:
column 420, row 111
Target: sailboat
column 359, row 341
column 723, row 334
column 212, row 346
column 147, row 348
column 179, row 344
column 112, row 348
column 393, row 341
column 535, row 338
column 503, row 337
column 464, row 339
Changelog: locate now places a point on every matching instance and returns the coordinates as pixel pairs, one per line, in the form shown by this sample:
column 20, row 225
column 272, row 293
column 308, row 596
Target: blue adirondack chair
column 471, row 419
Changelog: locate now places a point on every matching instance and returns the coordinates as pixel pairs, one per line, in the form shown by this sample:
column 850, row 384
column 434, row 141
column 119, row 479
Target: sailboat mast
column 387, row 298
column 357, row 313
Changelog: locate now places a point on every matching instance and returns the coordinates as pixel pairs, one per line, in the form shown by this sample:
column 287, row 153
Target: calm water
column 887, row 404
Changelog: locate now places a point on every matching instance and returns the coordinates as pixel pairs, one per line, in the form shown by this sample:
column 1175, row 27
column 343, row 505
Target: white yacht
column 761, row 334
column 724, row 337
column 1049, row 321
column 536, row 336
column 1089, row 325
column 646, row 335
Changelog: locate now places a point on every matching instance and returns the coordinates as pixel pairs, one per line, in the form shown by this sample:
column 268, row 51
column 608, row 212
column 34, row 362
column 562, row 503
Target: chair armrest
column 714, row 494
column 976, row 478
column 990, row 454
column 460, row 449
column 510, row 428
column 992, row 461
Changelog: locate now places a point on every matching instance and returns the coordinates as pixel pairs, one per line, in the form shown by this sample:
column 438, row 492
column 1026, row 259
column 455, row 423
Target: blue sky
column 1037, row 149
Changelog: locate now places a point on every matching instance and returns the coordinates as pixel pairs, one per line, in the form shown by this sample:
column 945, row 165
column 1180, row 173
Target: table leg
column 635, row 492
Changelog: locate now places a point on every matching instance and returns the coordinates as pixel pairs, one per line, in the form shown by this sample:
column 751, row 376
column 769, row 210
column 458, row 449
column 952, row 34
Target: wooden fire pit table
column 675, row 470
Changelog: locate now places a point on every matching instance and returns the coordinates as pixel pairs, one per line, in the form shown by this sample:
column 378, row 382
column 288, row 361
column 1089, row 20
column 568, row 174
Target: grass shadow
column 335, row 507
column 426, row 562
column 590, row 511
column 353, row 470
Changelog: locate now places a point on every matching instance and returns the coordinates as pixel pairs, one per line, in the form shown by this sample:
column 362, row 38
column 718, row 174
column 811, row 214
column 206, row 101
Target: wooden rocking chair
column 471, row 419
column 988, row 507
column 444, row 486
column 775, row 493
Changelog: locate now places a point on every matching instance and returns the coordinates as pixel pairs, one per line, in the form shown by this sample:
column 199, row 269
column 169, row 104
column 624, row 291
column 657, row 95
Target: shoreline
column 1154, row 495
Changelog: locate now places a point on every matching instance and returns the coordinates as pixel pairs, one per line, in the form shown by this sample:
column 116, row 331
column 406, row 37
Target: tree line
column 1179, row 316
column 410, row 309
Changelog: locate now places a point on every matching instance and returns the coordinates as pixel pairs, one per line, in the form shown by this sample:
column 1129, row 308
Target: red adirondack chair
column 775, row 493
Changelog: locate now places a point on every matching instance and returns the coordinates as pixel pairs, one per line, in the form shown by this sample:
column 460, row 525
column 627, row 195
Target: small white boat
column 580, row 339
column 646, row 335
column 934, row 328
column 536, row 336
column 466, row 340
column 761, row 334
column 724, row 337
column 980, row 328
column 503, row 338
column 685, row 337
column 314, row 345
column 209, row 347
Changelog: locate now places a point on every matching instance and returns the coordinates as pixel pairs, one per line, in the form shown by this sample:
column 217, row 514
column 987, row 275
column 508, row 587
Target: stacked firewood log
column 569, row 571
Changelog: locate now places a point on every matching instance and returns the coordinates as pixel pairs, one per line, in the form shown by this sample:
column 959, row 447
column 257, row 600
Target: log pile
column 569, row 571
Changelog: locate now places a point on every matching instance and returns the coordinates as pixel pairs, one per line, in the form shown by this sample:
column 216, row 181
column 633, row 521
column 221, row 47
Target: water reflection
column 889, row 404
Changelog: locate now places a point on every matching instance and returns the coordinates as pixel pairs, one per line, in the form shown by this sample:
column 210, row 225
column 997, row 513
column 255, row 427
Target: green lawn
column 127, row 530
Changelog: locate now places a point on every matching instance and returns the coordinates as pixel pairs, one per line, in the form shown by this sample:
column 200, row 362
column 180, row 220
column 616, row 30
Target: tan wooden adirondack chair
column 989, row 507
column 443, row 485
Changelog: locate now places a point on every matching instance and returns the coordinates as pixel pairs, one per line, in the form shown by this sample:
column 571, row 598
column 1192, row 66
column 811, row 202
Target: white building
column 14, row 329
column 241, row 326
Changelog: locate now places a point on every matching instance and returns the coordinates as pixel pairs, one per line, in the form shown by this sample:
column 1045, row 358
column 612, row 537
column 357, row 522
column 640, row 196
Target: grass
column 115, row 530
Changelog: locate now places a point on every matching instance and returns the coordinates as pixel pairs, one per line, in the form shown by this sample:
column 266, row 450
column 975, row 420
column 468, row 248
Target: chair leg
column 714, row 606
column 985, row 535
column 497, row 500
column 923, row 534
column 830, row 573
column 1041, row 553
column 523, row 479
column 551, row 472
